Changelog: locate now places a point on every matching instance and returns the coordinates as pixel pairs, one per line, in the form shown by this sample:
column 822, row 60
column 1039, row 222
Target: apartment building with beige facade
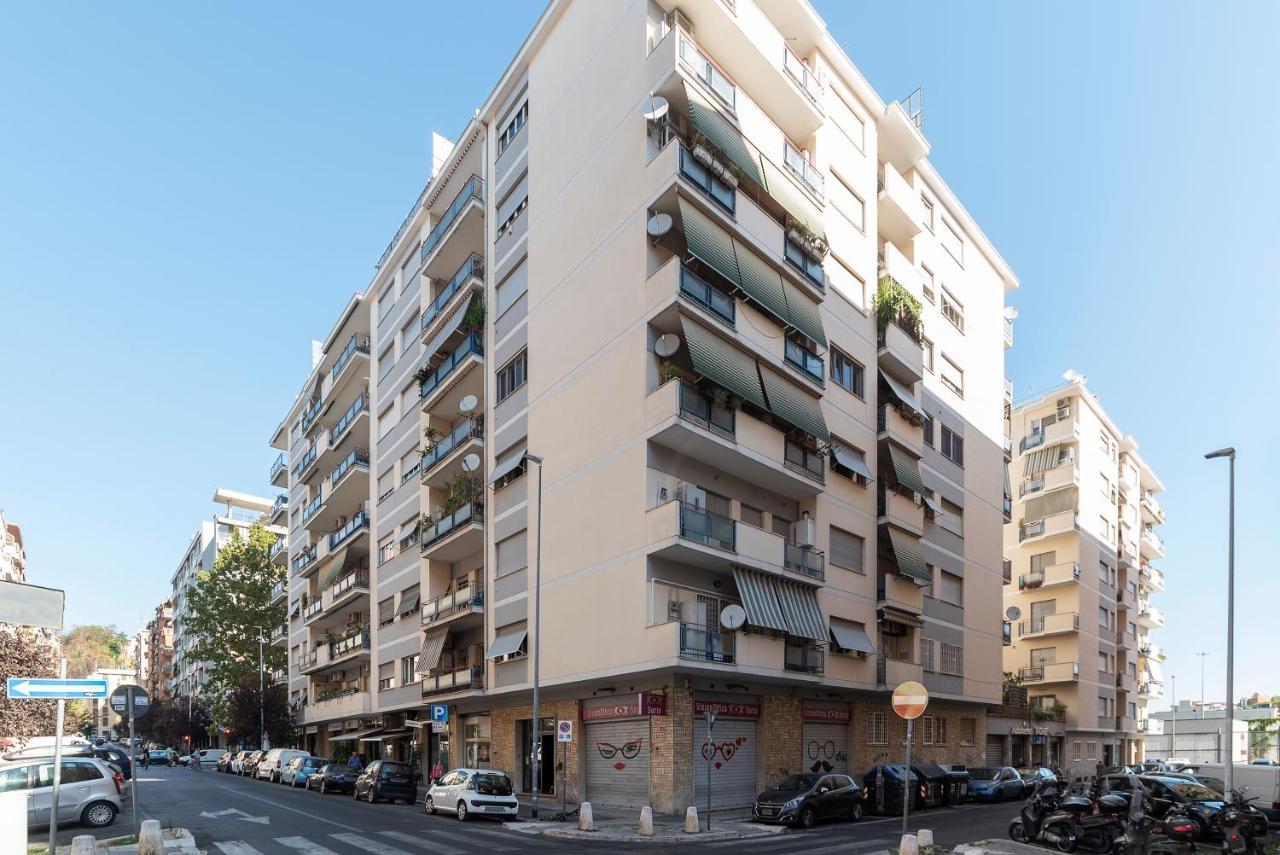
column 155, row 661
column 1081, row 547
column 13, row 555
column 635, row 306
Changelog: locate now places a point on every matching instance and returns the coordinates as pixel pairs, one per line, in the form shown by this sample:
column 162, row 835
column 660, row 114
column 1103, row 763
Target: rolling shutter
column 721, row 362
column 709, row 242
column 797, row 408
column 732, row 756
column 708, row 122
column 995, row 751
column 613, row 778
column 826, row 747
column 907, row 554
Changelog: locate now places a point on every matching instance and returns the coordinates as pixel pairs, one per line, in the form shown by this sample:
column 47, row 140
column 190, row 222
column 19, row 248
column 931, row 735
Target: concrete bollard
column 645, row 828
column 909, row 845
column 924, row 839
column 585, row 821
column 83, row 844
column 150, row 841
column 691, row 824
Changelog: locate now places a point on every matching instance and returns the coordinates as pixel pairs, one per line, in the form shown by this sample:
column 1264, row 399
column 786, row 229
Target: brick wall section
column 503, row 748
column 671, row 763
column 779, row 743
column 863, row 754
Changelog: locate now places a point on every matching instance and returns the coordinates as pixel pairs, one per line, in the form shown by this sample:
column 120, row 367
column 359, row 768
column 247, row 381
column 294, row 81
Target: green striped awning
column 793, row 405
column 791, row 197
column 1040, row 460
column 724, row 136
column 906, row 470
column 906, row 552
column 804, row 314
column 709, row 242
column 759, row 594
column 903, row 394
column 721, row 362
column 761, row 282
column 800, row 610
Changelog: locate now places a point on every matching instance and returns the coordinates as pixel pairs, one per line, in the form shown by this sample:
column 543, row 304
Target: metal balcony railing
column 710, row 529
column 281, row 462
column 804, row 77
column 351, row 643
column 472, row 512
column 473, row 190
column 808, row 362
column 357, row 522
column 358, row 406
column 473, row 266
column 702, row 410
column 461, row 600
column 310, row 508
column 1050, row 672
column 707, row 645
column 349, row 582
column 277, row 590
column 1050, row 623
column 312, row 412
column 473, row 344
column 707, row 295
column 707, row 71
column 358, row 344
column 306, row 461
column 304, row 558
column 809, row 562
column 355, row 457
column 472, row 428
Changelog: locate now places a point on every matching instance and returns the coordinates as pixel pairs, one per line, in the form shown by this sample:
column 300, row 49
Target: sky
column 189, row 194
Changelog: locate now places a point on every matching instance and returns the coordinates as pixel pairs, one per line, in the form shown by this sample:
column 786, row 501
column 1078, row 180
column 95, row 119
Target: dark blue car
column 995, row 784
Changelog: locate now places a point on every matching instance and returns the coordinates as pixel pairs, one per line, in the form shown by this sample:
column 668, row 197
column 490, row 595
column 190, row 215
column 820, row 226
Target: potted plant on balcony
column 812, row 242
column 473, row 318
column 667, row 371
column 430, row 436
column 895, row 305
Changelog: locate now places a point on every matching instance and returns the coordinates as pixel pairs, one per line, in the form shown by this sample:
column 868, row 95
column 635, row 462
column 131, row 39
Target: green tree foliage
column 167, row 722
column 26, row 653
column 91, row 646
column 227, row 606
column 79, row 719
column 242, row 714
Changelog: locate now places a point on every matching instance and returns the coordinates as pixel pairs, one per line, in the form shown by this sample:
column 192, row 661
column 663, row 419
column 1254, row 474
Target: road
column 230, row 815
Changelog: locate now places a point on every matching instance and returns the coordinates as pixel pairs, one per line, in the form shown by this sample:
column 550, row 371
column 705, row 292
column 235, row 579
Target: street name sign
column 38, row 688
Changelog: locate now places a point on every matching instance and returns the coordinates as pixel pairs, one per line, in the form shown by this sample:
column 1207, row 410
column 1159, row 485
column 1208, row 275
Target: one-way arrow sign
column 38, row 688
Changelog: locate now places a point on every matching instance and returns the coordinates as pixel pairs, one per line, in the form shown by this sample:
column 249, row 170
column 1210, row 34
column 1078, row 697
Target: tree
column 227, row 605
column 79, row 719
column 167, row 722
column 91, row 646
column 243, row 714
column 26, row 653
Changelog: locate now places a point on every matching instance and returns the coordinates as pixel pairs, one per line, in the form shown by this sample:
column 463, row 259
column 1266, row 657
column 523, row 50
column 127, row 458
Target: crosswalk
column 391, row 843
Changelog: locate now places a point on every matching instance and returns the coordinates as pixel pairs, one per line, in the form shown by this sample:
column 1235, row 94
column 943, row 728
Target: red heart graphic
column 717, row 764
column 619, row 766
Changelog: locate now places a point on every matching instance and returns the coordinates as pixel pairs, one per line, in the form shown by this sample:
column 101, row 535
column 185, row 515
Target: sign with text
column 645, row 704
column 31, row 605
column 825, row 714
column 129, row 701
column 564, row 731
column 727, row 709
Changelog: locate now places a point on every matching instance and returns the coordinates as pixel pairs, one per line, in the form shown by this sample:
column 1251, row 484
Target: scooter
column 1238, row 836
column 1145, row 835
column 1030, row 826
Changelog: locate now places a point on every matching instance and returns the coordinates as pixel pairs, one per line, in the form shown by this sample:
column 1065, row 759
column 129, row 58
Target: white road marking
column 421, row 843
column 361, row 842
column 305, row 846
column 236, row 847
column 506, row 837
column 286, row 807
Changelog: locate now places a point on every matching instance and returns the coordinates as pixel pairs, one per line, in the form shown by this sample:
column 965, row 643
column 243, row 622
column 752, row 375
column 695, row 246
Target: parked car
column 206, row 757
column 273, row 762
column 332, row 778
column 1031, row 777
column 237, row 762
column 383, row 779
column 1172, row 795
column 472, row 792
column 995, row 784
column 90, row 791
column 804, row 799
column 160, row 756
column 298, row 769
column 1263, row 761
column 249, row 764
column 113, row 755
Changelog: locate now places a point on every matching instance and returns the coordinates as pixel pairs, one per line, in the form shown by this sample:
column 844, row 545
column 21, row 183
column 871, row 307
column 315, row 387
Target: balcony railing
column 472, row 190
column 306, row 461
column 358, row 640
column 312, row 413
column 311, row 609
column 281, row 502
column 707, row 295
column 707, row 71
column 277, row 548
column 443, row 527
column 473, row 344
column 281, row 463
column 1050, row 672
column 472, row 428
column 805, row 461
column 810, row 363
column 358, row 406
column 461, row 600
column 705, row 645
column 456, row 680
column 706, row 172
column 1065, row 622
column 473, row 266
column 277, row 590
column 357, row 522
column 710, row 529
column 803, row 76
column 1031, row 440
column 356, row 457
column 801, row 168
column 1149, row 534
column 351, row 581
column 304, row 558
column 809, row 562
column 279, row 633
column 358, row 344
column 309, row 510
column 702, row 410
column 807, row 659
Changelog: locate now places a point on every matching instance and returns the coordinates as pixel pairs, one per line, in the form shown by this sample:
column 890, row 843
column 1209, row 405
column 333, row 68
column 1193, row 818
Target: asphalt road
column 230, row 815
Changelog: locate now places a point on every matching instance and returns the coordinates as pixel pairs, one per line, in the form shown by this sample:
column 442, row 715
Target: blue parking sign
column 439, row 712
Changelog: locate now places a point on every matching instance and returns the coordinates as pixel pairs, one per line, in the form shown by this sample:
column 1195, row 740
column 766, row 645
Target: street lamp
column 1202, row 654
column 537, row 643
column 1230, row 454
column 262, row 702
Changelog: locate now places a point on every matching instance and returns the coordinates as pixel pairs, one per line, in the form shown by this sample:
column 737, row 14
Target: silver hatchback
column 91, row 791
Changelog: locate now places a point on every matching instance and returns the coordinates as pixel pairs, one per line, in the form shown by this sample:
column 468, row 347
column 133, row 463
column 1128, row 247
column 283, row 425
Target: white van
column 271, row 765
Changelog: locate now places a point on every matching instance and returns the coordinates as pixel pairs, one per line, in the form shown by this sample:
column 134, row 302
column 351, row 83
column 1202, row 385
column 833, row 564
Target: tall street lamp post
column 1230, row 454
column 536, row 760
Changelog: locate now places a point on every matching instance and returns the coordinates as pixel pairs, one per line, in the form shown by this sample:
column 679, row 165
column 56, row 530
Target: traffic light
column 226, row 731
column 186, row 737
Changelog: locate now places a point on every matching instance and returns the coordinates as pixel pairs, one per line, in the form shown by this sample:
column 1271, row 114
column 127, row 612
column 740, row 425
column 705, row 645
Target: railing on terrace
column 281, row 502
column 312, row 412
column 472, row 190
column 708, row 528
column 809, row 562
column 311, row 609
column 357, row 522
column 355, row 579
column 473, row 344
column 309, row 510
column 707, row 295
column 358, row 406
column 473, row 266
column 461, row 600
column 1050, row 623
column 277, row 589
column 404, row 224
column 1031, row 440
column 707, row 71
column 277, row 547
column 358, row 344
column 807, row 659
column 356, row 457
column 804, row 170
column 457, row 679
column 306, row 461
column 804, row 77
column 463, row 431
column 704, row 644
column 804, row 460
column 704, row 411
column 468, row 513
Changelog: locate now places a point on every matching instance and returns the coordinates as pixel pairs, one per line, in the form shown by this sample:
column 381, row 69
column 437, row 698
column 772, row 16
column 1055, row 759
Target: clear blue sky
column 189, row 194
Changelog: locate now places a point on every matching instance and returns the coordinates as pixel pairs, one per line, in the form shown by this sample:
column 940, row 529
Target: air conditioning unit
column 681, row 20
column 805, row 532
column 691, row 494
column 1064, row 412
column 1064, row 403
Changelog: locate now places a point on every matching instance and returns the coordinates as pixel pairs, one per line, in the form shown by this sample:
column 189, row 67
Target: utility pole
column 1202, row 655
column 536, row 760
column 262, row 699
column 1230, row 454
column 1173, row 741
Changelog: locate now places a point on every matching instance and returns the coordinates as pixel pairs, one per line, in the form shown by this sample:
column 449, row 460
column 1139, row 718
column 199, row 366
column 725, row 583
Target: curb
column 618, row 836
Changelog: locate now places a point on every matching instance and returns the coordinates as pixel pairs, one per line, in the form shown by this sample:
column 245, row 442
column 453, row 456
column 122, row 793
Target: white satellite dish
column 471, row 463
column 1013, row 613
column 656, row 108
column 733, row 616
column 1010, row 313
column 667, row 345
column 659, row 224
column 467, row 404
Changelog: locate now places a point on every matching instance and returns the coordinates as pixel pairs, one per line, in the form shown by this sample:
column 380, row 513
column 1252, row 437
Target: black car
column 332, row 778
column 804, row 799
column 249, row 765
column 383, row 779
column 1179, row 796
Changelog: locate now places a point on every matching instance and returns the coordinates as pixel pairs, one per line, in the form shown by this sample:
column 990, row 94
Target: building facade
column 13, row 555
column 1082, row 546
column 157, row 642
column 105, row 721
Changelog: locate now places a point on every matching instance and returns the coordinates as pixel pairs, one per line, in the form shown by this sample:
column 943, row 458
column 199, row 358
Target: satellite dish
column 1010, row 313
column 467, row 404
column 656, row 108
column 471, row 463
column 667, row 345
column 659, row 224
column 733, row 616
column 1013, row 613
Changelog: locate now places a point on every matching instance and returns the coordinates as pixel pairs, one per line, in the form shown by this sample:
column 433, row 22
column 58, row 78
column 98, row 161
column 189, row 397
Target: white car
column 270, row 766
column 473, row 792
column 91, row 792
column 207, row 757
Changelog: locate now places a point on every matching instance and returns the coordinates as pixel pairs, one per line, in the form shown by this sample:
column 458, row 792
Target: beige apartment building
column 1081, row 548
column 635, row 309
column 156, row 650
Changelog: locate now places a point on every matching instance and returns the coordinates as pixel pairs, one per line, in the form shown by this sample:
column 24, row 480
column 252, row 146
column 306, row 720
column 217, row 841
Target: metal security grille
column 618, row 762
column 995, row 751
column 732, row 756
column 825, row 747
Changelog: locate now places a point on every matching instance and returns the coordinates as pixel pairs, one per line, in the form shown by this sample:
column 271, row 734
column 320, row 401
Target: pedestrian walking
column 145, row 759
column 436, row 772
column 354, row 764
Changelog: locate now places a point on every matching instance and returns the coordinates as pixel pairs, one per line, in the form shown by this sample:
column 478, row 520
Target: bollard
column 585, row 821
column 646, row 822
column 909, row 845
column 150, row 841
column 924, row 839
column 691, row 824
column 83, row 844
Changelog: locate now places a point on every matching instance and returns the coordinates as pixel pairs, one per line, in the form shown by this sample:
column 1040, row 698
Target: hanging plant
column 894, row 304
column 473, row 318
column 423, row 374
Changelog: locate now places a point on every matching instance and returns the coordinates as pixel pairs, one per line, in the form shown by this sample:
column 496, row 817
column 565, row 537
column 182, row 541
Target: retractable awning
column 790, row 197
column 411, row 603
column 760, row 599
column 851, row 636
column 721, row 362
column 903, row 394
column 761, row 282
column 355, row 735
column 930, row 503
column 901, row 616
column 510, row 462
column 450, row 327
column 1041, row 506
column 718, row 131
column 800, row 610
column 907, row 554
column 432, row 647
column 1154, row 671
column 708, row 242
column 790, row 403
column 850, row 459
column 803, row 313
column 1040, row 460
column 906, row 470
column 508, row 641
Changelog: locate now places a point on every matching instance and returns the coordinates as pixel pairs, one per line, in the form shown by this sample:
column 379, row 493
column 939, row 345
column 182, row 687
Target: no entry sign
column 910, row 699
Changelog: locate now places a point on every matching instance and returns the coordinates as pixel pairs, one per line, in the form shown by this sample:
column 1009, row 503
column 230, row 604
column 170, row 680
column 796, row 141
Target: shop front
column 618, row 743
column 725, row 757
column 825, row 738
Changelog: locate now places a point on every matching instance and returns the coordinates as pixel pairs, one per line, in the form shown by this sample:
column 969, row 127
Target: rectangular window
column 875, row 729
column 848, row 283
column 968, row 730
column 512, row 376
column 386, row 676
column 387, row 360
column 387, row 549
column 1102, row 707
column 952, row 375
column 952, row 518
column 512, row 288
column 513, row 553
column 781, row 525
column 926, row 730
column 927, row 356
column 926, row 276
column 939, row 731
column 928, row 430
column 949, row 588
column 847, row 372
column 952, row 446
column 951, row 240
column 1104, row 618
column 839, row 468
column 952, row 309
column 708, row 181
column 751, row 516
column 952, row 659
column 1131, row 629
column 846, row 549
column 1042, row 561
column 926, row 205
column 386, row 301
column 800, row 259
column 409, row 670
column 847, row 121
column 926, row 654
column 848, row 202
column 513, row 127
column 386, row 611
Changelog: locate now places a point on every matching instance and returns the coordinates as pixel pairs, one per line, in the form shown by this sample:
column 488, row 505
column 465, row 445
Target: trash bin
column 929, row 791
column 957, row 786
column 883, row 786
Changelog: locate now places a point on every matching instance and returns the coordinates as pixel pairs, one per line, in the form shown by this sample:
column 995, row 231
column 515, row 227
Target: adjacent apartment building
column 1079, row 600
column 13, row 556
column 156, row 644
column 688, row 326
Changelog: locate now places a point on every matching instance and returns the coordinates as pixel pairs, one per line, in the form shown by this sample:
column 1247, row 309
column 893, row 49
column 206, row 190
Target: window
column 409, row 335
column 701, row 176
column 952, row 446
column 513, row 127
column 952, row 518
column 513, row 375
column 1104, row 528
column 13, row 779
column 751, row 516
column 409, row 670
column 515, row 472
column 926, row 205
column 1043, row 560
column 1133, row 710
column 952, row 659
column 408, row 267
column 386, row 301
column 1102, row 663
column 949, row 588
column 847, row 120
column 968, row 730
column 387, row 549
column 1131, row 629
column 926, row 654
column 1104, row 617
column 848, row 202
column 1104, row 573
column 927, row 731
column 386, row 611
column 952, row 309
column 846, row 549
column 513, row 553
column 1133, row 669
column 952, row 375
column 847, row 372
column 927, row 347
column 939, row 731
column 875, row 729
column 1077, row 748
column 951, row 240
column 799, row 258
column 849, row 451
column 928, row 430
column 386, row 676
column 781, row 525
column 927, row 283
column 512, row 288
column 1102, row 707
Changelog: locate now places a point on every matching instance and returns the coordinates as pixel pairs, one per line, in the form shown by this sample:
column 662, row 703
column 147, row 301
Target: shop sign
column 645, row 704
column 824, row 714
column 652, row 703
column 728, row 709
column 1020, row 730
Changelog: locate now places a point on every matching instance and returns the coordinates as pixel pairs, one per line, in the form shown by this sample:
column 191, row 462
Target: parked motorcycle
column 1239, row 835
column 1030, row 826
column 1144, row 834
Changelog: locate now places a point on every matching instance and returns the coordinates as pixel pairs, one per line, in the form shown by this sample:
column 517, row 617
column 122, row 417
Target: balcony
column 311, row 413
column 1124, row 724
column 1150, row 690
column 279, row 510
column 442, row 462
column 311, row 513
column 280, row 471
column 355, row 353
column 1055, row 524
column 1150, row 651
column 900, row 354
column 1008, row 332
column 1055, row 624
column 442, row 682
column 279, row 553
column 898, row 204
column 1126, row 682
column 800, row 166
column 808, row 363
column 280, row 635
column 453, row 607
column 339, row 703
column 349, row 646
column 344, row 428
column 702, row 644
column 1050, row 672
column 702, row 426
column 354, row 526
column 1149, row 543
column 470, row 352
column 892, row 263
column 278, row 590
column 469, row 279
column 901, row 512
column 344, row 591
column 303, row 467
column 348, row 483
column 1065, row 474
column 893, row 426
column 803, row 658
column 806, row 461
column 805, row 79
column 893, row 671
column 455, row 535
column 305, row 561
column 277, row 676
column 457, row 234
column 312, row 609
column 1151, row 578
column 1149, row 616
column 1058, row 574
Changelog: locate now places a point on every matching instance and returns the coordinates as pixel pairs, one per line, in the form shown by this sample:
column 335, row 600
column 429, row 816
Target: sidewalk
column 999, row 846
column 618, row 825
column 176, row 840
